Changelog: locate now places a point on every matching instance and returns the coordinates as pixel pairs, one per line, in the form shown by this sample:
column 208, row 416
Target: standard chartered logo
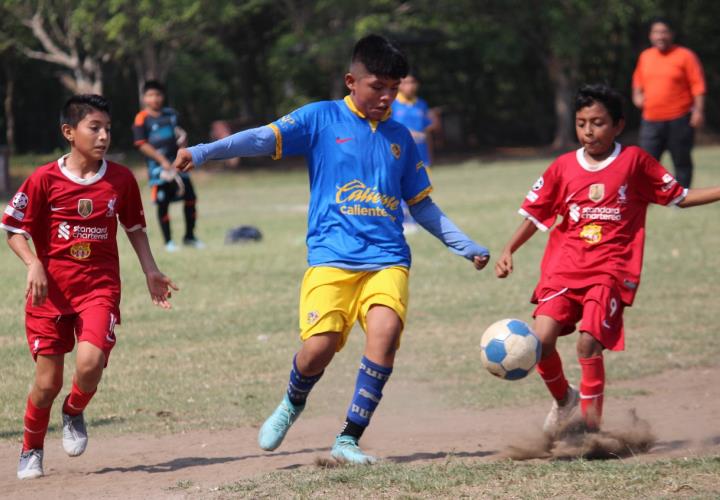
column 82, row 232
column 64, row 230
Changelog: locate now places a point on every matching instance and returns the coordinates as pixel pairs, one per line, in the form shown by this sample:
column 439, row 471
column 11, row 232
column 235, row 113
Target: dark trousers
column 676, row 136
column 167, row 193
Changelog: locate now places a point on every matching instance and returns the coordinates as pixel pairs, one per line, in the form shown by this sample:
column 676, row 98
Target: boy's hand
column 183, row 161
column 504, row 265
column 37, row 284
column 159, row 287
column 480, row 261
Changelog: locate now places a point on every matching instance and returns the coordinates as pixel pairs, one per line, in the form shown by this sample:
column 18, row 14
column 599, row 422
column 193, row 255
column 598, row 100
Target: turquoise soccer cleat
column 346, row 451
column 276, row 426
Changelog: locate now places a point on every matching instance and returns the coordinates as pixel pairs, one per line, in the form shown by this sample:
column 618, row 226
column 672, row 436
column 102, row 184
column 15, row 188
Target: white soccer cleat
column 560, row 415
column 75, row 437
column 30, row 465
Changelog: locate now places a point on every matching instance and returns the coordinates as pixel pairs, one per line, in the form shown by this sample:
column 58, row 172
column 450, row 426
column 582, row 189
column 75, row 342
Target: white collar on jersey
column 79, row 180
column 580, row 155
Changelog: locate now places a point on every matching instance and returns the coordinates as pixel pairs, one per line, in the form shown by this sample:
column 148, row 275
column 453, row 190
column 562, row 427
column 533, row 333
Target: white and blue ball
column 510, row 349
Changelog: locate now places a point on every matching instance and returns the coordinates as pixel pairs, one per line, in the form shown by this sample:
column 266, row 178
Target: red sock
column 551, row 371
column 592, row 385
column 36, row 425
column 76, row 401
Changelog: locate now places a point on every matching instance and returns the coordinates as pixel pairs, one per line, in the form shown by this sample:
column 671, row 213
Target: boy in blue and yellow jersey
column 157, row 135
column 412, row 111
column 361, row 164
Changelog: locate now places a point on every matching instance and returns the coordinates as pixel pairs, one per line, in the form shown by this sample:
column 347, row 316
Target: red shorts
column 56, row 335
column 598, row 307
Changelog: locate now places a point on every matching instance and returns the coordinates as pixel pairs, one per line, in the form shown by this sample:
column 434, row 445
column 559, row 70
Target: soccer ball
column 510, row 349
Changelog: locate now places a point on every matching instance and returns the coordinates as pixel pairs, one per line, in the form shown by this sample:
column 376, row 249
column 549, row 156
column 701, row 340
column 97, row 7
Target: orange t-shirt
column 669, row 80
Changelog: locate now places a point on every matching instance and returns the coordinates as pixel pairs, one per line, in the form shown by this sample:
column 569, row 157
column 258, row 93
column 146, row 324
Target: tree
column 149, row 34
column 68, row 34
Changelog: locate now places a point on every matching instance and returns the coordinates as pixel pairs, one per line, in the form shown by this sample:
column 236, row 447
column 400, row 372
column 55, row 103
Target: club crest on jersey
column 592, row 233
column 85, row 207
column 395, row 150
column 312, row 317
column 622, row 193
column 20, row 201
column 596, row 192
column 80, row 251
column 111, row 207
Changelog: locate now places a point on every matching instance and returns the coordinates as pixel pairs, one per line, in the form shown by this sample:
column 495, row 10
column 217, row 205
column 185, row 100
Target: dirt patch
column 675, row 417
column 632, row 436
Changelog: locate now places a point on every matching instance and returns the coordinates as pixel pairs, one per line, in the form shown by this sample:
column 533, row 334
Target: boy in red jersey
column 70, row 208
column 591, row 268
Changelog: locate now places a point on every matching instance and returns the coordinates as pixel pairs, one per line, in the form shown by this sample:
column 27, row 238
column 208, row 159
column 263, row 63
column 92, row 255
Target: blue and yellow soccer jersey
column 415, row 115
column 359, row 171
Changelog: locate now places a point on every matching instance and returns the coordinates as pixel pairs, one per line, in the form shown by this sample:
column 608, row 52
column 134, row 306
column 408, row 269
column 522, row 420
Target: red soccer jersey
column 73, row 224
column 602, row 233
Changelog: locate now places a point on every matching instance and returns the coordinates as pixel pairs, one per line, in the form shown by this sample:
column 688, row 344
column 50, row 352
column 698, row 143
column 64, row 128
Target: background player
column 361, row 164
column 669, row 87
column 412, row 111
column 157, row 135
column 591, row 268
column 70, row 208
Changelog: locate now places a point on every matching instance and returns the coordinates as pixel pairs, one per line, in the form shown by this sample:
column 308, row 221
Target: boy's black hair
column 605, row 95
column 154, row 85
column 661, row 19
column 380, row 57
column 79, row 105
column 413, row 71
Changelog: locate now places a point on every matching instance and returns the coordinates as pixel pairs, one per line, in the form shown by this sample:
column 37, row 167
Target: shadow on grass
column 440, row 455
column 715, row 440
column 187, row 462
column 665, row 446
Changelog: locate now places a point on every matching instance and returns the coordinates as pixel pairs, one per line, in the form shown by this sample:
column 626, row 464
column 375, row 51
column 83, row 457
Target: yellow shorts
column 332, row 299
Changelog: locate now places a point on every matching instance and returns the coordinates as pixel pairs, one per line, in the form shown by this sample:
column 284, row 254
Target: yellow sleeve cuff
column 420, row 196
column 278, row 141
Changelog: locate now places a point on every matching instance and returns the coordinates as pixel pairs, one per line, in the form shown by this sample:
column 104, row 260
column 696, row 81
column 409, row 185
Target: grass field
column 220, row 358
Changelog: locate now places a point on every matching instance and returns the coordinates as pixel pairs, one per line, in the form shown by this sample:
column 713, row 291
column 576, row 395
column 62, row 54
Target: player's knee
column 46, row 389
column 89, row 367
column 588, row 346
column 317, row 352
column 547, row 342
column 547, row 331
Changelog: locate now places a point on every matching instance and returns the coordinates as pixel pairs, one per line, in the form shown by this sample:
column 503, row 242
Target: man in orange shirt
column 669, row 88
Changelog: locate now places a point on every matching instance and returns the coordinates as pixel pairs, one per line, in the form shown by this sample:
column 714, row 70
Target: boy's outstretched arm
column 434, row 221
column 504, row 265
column 37, row 283
column 700, row 196
column 258, row 141
column 158, row 284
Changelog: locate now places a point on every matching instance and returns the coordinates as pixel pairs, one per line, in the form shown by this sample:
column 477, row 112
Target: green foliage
column 496, row 67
